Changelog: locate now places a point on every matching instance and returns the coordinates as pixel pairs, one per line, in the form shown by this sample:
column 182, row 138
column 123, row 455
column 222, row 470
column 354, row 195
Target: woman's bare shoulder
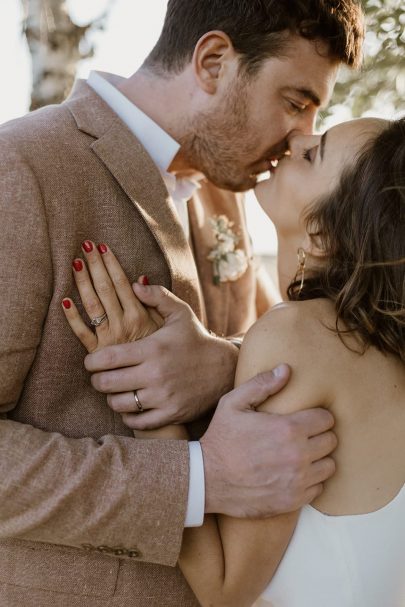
column 297, row 318
column 293, row 333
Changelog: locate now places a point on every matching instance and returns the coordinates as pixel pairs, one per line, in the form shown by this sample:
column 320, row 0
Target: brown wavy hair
column 258, row 29
column 360, row 227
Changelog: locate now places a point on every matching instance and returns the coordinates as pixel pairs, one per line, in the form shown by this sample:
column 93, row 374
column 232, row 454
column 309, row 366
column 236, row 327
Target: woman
column 339, row 200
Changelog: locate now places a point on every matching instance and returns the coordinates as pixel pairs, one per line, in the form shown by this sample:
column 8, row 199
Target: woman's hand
column 105, row 290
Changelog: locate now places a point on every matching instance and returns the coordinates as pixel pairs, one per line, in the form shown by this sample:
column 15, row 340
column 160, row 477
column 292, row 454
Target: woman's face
column 310, row 171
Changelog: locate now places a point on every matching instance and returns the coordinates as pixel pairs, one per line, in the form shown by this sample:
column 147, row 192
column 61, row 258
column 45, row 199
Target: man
column 89, row 514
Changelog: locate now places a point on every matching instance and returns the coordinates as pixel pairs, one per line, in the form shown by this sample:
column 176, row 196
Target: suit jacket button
column 120, row 551
column 103, row 549
column 88, row 547
column 133, row 554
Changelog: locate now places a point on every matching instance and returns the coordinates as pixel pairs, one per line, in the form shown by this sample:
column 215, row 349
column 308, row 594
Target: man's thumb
column 258, row 389
column 158, row 297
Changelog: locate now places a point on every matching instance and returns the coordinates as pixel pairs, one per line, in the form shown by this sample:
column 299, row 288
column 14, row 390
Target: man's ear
column 213, row 52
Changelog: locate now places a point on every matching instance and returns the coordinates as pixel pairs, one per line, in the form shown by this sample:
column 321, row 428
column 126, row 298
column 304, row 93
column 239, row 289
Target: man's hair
column 360, row 227
column 258, row 28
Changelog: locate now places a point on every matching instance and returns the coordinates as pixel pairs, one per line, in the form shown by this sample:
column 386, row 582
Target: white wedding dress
column 343, row 561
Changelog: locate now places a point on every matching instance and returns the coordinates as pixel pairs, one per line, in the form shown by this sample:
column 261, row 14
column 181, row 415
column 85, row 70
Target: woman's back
column 349, row 545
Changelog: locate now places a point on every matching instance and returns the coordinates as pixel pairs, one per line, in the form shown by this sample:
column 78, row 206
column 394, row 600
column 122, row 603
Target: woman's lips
column 266, row 166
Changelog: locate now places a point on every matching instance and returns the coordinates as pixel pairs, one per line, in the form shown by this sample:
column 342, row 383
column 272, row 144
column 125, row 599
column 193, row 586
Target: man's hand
column 179, row 372
column 262, row 464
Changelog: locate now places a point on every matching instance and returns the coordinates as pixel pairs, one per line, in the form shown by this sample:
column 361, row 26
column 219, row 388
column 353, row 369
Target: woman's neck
column 287, row 261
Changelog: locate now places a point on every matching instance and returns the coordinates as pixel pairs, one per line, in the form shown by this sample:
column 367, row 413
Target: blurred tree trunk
column 54, row 43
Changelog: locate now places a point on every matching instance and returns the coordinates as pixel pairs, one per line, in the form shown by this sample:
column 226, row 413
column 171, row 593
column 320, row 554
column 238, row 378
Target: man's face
column 236, row 139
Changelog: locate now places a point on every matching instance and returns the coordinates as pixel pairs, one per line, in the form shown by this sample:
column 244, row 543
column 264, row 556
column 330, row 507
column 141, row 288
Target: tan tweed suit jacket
column 90, row 516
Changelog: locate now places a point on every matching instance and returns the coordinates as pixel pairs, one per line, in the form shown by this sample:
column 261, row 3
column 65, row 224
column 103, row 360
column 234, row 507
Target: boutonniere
column 229, row 263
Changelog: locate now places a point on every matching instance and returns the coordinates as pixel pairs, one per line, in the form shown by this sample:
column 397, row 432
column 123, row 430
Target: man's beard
column 213, row 143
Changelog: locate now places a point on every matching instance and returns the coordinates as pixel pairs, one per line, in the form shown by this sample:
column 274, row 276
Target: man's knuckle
column 131, row 421
column 103, row 382
column 111, row 358
column 329, row 466
column 154, row 377
column 187, row 310
column 295, row 462
column 113, row 403
column 285, row 432
column 160, row 350
column 224, row 402
column 163, row 291
column 136, row 422
column 258, row 385
column 332, row 441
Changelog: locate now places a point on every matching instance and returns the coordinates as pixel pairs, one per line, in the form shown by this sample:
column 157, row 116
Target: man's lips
column 273, row 165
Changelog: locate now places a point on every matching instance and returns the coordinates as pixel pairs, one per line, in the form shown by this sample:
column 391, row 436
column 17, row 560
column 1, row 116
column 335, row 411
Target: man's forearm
column 104, row 495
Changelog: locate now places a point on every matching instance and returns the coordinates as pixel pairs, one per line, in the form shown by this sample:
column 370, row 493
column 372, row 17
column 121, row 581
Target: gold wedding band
column 138, row 402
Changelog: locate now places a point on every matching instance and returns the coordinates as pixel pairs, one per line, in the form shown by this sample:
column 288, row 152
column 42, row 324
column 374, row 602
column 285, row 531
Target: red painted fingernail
column 87, row 246
column 145, row 280
column 102, row 248
column 78, row 265
column 67, row 304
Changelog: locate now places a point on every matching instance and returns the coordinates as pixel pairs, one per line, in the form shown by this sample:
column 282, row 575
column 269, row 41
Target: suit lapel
column 140, row 179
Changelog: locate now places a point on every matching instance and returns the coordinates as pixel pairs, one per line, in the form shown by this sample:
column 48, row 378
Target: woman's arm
column 228, row 562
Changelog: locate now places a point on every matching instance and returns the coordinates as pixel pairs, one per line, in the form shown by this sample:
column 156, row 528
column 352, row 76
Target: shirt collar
column 161, row 147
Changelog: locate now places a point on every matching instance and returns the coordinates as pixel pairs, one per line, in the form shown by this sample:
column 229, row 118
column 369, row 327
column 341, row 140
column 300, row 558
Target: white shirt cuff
column 196, row 487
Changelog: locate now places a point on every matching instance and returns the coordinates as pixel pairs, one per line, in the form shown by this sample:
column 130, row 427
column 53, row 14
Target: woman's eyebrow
column 322, row 145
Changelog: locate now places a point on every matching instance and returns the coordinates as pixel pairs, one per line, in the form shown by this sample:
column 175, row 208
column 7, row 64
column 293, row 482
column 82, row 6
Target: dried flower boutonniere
column 229, row 263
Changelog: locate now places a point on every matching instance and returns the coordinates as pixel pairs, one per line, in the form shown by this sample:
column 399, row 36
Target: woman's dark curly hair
column 360, row 227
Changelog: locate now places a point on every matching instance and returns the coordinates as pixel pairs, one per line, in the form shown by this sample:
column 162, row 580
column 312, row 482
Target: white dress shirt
column 162, row 148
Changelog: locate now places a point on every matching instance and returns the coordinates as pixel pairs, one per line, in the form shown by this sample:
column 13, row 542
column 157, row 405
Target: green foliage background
column 380, row 85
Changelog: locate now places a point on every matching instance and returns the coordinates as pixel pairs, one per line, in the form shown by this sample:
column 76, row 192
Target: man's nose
column 305, row 123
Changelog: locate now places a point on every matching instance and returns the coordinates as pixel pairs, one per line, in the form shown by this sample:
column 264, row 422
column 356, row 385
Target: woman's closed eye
column 310, row 153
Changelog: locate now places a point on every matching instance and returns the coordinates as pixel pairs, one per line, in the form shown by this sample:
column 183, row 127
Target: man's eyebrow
column 322, row 145
column 310, row 95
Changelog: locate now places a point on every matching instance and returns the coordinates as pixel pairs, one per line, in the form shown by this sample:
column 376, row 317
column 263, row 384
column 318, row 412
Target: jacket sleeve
column 118, row 495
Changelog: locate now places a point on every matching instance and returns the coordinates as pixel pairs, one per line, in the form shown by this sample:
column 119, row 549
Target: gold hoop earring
column 300, row 273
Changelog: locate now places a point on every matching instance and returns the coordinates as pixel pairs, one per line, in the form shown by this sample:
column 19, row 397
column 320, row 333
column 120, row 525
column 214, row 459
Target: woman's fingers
column 105, row 291
column 78, row 326
column 88, row 296
column 119, row 279
column 103, row 287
